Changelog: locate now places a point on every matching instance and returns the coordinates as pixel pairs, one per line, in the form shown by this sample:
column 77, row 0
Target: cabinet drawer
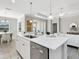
column 24, row 40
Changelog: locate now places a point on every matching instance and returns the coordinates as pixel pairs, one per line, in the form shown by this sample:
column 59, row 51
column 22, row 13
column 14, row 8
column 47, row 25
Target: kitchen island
column 57, row 46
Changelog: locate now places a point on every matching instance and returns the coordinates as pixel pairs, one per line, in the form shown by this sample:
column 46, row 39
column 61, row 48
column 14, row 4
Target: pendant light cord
column 61, row 9
column 30, row 9
column 5, row 13
column 50, row 7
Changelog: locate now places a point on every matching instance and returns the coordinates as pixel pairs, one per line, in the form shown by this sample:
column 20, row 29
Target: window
column 4, row 25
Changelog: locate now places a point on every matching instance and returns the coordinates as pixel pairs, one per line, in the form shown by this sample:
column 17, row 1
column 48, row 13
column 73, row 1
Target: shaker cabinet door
column 23, row 47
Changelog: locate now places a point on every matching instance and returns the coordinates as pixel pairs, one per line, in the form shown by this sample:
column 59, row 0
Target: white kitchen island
column 57, row 46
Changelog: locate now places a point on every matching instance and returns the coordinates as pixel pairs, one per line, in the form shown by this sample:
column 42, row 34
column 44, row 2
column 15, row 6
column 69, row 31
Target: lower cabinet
column 23, row 47
column 30, row 50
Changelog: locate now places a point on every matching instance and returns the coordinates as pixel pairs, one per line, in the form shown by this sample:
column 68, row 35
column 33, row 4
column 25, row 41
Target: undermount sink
column 52, row 36
column 30, row 36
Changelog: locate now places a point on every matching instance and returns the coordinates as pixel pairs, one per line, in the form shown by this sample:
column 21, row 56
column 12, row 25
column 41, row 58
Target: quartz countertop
column 48, row 41
column 73, row 40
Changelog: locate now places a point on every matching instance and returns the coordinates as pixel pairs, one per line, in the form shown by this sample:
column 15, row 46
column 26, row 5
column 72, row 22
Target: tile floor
column 8, row 51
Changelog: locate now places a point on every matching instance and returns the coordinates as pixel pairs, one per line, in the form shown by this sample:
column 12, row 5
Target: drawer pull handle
column 41, row 51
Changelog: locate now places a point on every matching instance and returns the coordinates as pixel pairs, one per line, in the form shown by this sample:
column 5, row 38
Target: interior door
column 54, row 27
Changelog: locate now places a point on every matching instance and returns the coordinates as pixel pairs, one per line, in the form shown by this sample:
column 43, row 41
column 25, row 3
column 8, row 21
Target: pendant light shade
column 30, row 12
column 61, row 12
column 50, row 15
column 13, row 1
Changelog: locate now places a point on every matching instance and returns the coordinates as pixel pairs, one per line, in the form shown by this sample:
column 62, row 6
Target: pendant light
column 13, row 1
column 6, row 12
column 50, row 15
column 61, row 12
column 5, row 16
column 4, row 20
column 31, row 11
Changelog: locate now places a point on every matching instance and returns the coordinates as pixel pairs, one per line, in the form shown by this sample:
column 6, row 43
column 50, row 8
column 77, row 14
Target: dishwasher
column 38, row 52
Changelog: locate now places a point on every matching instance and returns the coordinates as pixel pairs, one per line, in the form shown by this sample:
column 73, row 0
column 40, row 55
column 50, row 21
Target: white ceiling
column 39, row 6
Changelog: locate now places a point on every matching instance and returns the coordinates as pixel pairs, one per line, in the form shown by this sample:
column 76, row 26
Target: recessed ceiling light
column 13, row 1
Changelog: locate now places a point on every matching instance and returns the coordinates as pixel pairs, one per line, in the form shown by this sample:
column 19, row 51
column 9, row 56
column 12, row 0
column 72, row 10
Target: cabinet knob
column 41, row 51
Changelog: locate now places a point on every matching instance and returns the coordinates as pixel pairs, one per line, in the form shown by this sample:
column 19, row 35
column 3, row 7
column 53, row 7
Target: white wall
column 49, row 26
column 13, row 27
column 66, row 21
column 22, row 20
column 23, row 24
column 63, row 23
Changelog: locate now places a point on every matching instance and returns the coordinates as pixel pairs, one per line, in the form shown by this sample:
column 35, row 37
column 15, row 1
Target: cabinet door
column 54, row 27
column 23, row 47
column 26, row 50
column 18, row 44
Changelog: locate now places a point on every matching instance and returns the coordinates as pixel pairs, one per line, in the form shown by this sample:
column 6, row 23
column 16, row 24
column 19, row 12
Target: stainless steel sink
column 30, row 36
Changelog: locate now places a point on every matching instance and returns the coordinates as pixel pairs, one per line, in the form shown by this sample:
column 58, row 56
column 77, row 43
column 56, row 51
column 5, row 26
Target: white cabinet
column 35, row 51
column 59, row 53
column 49, row 26
column 23, row 46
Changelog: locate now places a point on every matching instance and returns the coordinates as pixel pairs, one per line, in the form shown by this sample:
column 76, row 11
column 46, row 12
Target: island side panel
column 64, row 51
column 55, row 54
